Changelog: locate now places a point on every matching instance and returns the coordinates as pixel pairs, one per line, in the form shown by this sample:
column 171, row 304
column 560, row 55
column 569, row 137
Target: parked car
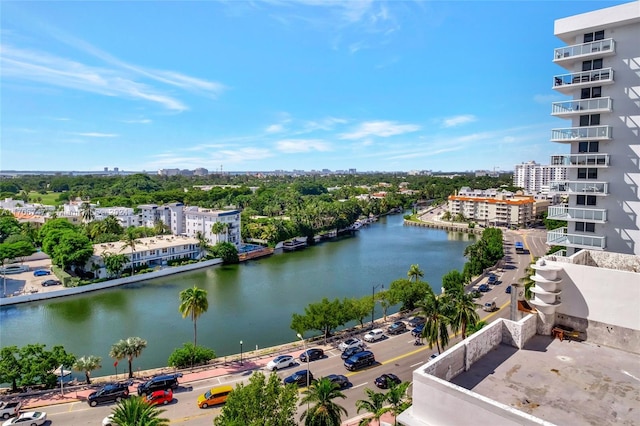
column 489, row 306
column 483, row 288
column 10, row 408
column 417, row 332
column 359, row 360
column 434, row 356
column 109, row 393
column 339, row 380
column 397, row 328
column 508, row 289
column 383, row 381
column 13, row 269
column 350, row 343
column 214, row 396
column 48, row 283
column 300, row 378
column 374, row 335
column 31, row 418
column 281, row 361
column 351, row 351
column 416, row 321
column 492, row 279
column 164, row 382
column 41, row 273
column 161, row 397
column 313, row 353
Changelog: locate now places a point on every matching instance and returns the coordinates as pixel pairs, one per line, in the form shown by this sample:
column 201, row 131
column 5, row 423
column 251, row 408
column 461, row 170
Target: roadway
column 394, row 354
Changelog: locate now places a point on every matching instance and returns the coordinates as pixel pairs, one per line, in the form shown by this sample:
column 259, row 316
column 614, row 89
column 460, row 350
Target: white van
column 489, row 306
column 13, row 269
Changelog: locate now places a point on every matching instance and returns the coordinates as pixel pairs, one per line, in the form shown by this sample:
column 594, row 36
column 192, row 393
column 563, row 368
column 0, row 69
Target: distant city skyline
column 279, row 85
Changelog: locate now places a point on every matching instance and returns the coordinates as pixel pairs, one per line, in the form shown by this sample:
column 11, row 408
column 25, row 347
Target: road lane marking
column 417, row 363
column 357, row 386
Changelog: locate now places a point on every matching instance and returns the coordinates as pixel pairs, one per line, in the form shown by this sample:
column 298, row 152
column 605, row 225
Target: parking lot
column 26, row 282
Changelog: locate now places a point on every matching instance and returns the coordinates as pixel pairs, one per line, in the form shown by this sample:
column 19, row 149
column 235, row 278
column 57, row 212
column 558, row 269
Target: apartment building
column 602, row 115
column 492, row 207
column 199, row 220
column 534, row 178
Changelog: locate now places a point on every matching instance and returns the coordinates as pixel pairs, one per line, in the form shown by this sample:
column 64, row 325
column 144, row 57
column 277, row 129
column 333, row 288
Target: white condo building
column 535, row 178
column 601, row 62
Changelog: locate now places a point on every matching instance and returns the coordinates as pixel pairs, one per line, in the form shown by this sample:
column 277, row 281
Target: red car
column 161, row 397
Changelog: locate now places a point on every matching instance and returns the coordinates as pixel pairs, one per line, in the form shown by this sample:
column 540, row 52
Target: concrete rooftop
column 566, row 383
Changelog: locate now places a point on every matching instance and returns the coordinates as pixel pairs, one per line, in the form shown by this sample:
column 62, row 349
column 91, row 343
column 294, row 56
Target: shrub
column 188, row 355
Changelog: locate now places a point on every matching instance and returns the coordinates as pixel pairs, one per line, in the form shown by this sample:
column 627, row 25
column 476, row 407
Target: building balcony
column 560, row 237
column 564, row 212
column 580, row 187
column 581, row 160
column 568, row 83
column 586, row 133
column 565, row 56
column 576, row 107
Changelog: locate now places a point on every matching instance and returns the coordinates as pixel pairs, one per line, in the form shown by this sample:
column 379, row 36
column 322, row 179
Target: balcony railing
column 564, row 212
column 577, row 160
column 566, row 83
column 586, row 133
column 586, row 187
column 581, row 106
column 560, row 237
column 582, row 51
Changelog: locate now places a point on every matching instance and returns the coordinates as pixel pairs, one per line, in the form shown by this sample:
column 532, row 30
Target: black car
column 384, row 381
column 109, row 393
column 416, row 321
column 417, row 331
column 299, row 378
column 314, row 353
column 169, row 381
column 351, row 351
column 339, row 380
column 397, row 328
column 47, row 283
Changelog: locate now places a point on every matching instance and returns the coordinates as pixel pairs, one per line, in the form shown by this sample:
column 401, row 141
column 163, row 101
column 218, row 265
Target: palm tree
column 87, row 364
column 374, row 405
column 397, row 397
column 527, row 281
column 415, row 273
column 193, row 303
column 217, row 228
column 86, row 213
column 130, row 241
column 135, row 411
column 130, row 348
column 203, row 244
column 324, row 412
column 463, row 313
column 434, row 309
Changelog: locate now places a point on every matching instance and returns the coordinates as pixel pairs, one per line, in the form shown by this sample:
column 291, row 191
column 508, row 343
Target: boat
column 294, row 244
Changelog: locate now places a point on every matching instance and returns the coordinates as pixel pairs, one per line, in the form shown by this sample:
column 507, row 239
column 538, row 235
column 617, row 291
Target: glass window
column 588, row 37
column 582, row 173
column 592, row 173
column 590, row 227
column 580, row 226
column 586, row 65
column 580, row 200
column 595, row 119
column 591, row 200
column 596, row 92
column 599, row 35
column 584, row 120
column 594, row 146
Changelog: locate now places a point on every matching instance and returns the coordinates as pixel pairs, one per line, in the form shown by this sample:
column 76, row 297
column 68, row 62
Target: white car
column 350, row 343
column 108, row 421
column 29, row 418
column 373, row 335
column 282, row 361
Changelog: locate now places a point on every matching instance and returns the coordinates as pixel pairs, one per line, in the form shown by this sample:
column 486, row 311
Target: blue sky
column 267, row 85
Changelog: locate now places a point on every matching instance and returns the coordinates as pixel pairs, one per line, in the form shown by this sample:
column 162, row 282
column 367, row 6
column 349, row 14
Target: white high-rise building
column 534, row 177
column 601, row 62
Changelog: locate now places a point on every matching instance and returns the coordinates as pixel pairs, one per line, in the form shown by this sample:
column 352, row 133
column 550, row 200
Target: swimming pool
column 245, row 248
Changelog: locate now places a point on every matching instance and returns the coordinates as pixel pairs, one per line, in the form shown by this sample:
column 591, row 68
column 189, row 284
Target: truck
column 9, row 408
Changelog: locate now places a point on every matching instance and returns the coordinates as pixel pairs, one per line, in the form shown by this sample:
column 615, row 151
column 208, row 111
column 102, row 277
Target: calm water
column 252, row 302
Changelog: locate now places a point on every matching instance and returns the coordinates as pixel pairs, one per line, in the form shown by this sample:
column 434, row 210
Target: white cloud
column 302, row 145
column 458, row 120
column 274, row 128
column 380, row 128
column 140, row 121
column 96, row 135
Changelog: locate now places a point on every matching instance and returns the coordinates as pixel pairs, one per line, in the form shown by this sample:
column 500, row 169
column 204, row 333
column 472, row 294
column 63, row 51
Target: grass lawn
column 50, row 198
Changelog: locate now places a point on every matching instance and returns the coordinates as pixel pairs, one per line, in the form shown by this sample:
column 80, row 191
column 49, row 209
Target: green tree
column 9, row 225
column 324, row 411
column 130, row 241
column 203, row 244
column 135, row 411
column 415, row 273
column 434, row 309
column 527, row 281
column 397, row 397
column 373, row 405
column 37, row 364
column 260, row 402
column 86, row 212
column 10, row 368
column 227, row 252
column 114, row 263
column 87, row 364
column 453, row 281
column 463, row 312
column 324, row 316
column 385, row 301
column 409, row 293
column 128, row 348
column 358, row 309
column 193, row 303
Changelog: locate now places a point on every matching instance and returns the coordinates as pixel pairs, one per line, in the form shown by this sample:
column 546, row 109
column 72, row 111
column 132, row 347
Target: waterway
column 251, row 302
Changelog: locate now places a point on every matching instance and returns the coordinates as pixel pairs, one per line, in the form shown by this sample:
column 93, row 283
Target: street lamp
column 241, row 363
column 373, row 298
column 304, row 345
